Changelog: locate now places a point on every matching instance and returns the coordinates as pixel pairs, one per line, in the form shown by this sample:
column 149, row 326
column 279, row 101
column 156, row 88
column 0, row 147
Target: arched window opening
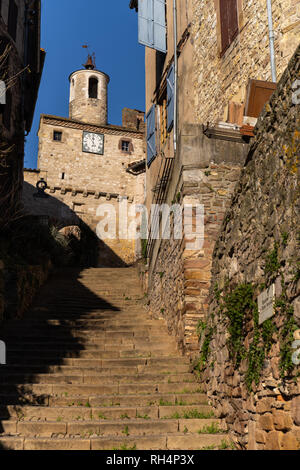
column 93, row 88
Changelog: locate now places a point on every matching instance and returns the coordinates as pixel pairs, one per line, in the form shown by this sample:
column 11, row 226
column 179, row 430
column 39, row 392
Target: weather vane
column 91, row 60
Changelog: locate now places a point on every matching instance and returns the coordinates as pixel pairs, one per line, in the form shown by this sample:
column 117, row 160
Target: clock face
column 93, row 143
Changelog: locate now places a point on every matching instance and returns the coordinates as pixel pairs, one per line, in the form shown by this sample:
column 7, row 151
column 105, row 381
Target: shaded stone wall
column 247, row 368
column 179, row 278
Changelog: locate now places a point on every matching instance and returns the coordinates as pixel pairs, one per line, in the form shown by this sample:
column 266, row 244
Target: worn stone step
column 88, row 370
column 67, row 399
column 152, row 442
column 101, row 427
column 85, row 412
column 86, row 389
column 53, row 353
column 94, row 378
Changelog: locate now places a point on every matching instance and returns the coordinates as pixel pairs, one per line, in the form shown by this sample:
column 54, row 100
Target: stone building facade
column 249, row 364
column 87, row 162
column 21, row 64
column 223, row 82
column 224, row 65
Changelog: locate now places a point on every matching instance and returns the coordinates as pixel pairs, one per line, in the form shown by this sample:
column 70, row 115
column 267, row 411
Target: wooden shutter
column 159, row 25
column 170, row 94
column 229, row 22
column 12, row 19
column 151, row 138
column 152, row 24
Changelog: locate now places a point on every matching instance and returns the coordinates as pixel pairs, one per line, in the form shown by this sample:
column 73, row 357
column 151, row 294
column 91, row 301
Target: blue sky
column 110, row 29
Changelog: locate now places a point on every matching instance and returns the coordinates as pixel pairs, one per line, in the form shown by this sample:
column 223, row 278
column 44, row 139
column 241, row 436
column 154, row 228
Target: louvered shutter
column 151, row 141
column 152, row 24
column 2, row 92
column 170, row 94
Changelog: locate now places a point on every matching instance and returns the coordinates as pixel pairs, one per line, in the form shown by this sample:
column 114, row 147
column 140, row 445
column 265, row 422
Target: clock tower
column 88, row 95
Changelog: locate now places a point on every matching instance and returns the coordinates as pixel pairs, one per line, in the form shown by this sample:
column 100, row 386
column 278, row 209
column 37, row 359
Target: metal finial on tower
column 91, row 62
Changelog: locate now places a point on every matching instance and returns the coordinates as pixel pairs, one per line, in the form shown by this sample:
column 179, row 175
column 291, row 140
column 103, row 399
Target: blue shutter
column 152, row 24
column 146, row 31
column 151, row 141
column 170, row 95
column 160, row 29
column 2, row 92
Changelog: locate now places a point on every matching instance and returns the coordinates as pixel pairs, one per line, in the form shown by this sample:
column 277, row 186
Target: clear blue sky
column 110, row 28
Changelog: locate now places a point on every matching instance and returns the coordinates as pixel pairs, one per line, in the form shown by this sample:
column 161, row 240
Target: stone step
column 86, row 429
column 79, row 323
column 104, row 363
column 19, row 344
column 118, row 330
column 94, row 378
column 87, row 389
column 91, row 370
column 83, row 335
column 13, row 353
column 67, row 399
column 86, row 413
column 153, row 442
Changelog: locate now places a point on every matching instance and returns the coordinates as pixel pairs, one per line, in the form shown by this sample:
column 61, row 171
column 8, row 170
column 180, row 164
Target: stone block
column 265, row 422
column 295, row 410
column 273, row 440
column 282, row 420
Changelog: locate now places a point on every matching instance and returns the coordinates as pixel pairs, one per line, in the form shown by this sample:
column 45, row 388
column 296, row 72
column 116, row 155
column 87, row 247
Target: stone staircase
column 88, row 369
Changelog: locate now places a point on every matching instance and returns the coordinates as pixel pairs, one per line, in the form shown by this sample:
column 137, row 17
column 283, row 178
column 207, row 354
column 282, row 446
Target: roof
column 105, row 129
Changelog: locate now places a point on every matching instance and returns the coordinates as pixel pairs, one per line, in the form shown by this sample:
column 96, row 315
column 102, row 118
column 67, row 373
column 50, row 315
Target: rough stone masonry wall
column 247, row 369
column 218, row 80
column 180, row 280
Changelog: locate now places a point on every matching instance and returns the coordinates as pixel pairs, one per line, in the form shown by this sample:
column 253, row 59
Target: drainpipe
column 175, row 74
column 272, row 41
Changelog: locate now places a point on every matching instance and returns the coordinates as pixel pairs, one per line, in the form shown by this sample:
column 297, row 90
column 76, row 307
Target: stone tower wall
column 85, row 109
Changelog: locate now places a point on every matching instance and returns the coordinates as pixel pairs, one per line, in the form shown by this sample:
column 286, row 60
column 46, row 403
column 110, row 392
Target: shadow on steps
column 64, row 298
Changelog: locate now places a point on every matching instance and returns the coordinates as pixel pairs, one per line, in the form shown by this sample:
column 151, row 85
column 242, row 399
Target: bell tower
column 88, row 94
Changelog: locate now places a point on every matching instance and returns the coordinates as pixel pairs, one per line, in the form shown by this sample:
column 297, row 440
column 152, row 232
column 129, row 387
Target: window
column 93, row 88
column 57, row 136
column 12, row 19
column 126, row 146
column 229, row 23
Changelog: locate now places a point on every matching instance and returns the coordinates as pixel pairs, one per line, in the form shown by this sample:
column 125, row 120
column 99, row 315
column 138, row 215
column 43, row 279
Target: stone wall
column 247, row 367
column 218, row 78
column 19, row 284
column 179, row 277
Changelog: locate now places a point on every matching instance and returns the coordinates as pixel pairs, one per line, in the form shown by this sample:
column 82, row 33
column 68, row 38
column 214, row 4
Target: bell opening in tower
column 93, row 88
